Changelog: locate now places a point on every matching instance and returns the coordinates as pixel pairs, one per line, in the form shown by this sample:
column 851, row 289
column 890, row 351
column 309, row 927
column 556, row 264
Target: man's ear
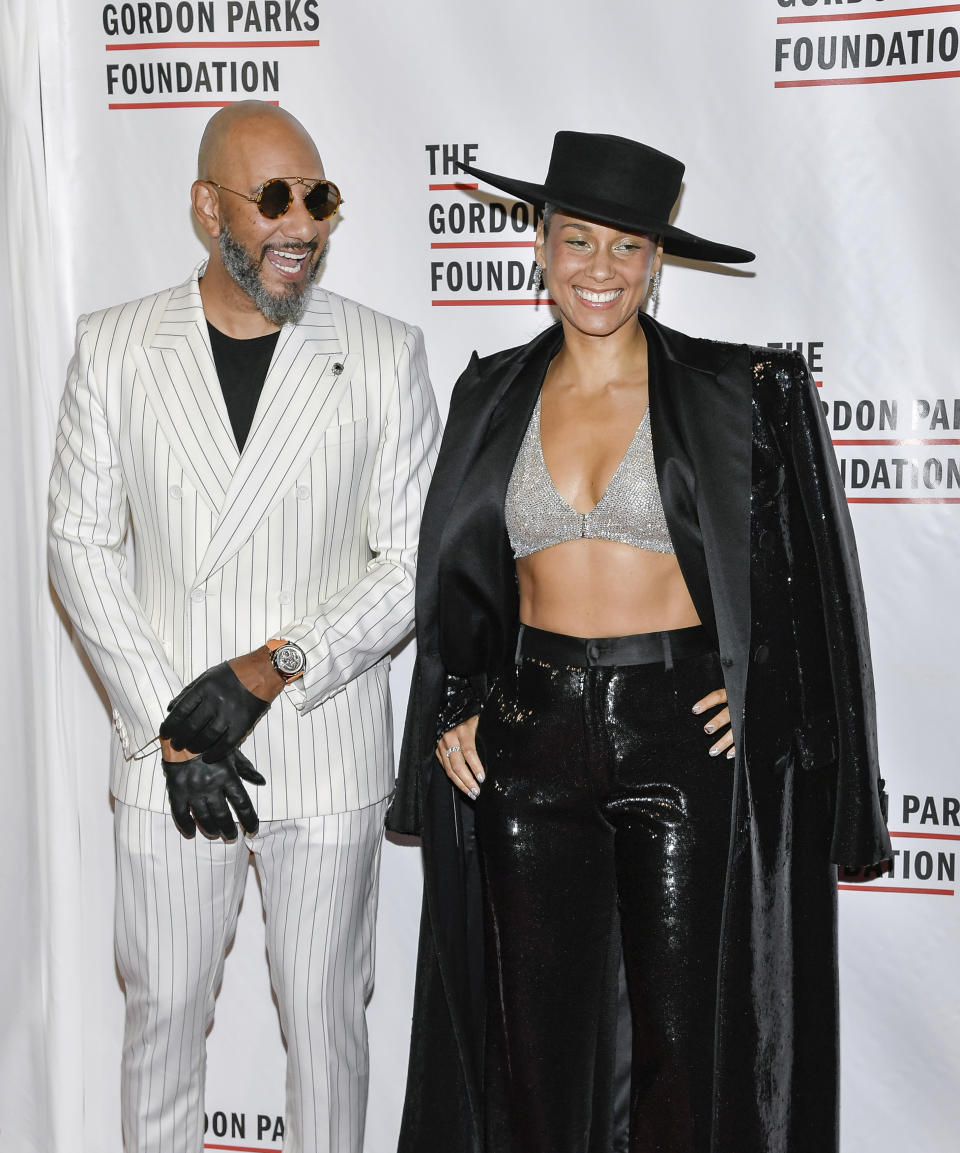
column 206, row 206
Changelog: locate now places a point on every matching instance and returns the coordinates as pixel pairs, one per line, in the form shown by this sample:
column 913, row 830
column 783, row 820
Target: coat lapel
column 475, row 415
column 498, row 424
column 308, row 375
column 478, row 628
column 700, row 419
column 488, row 416
column 177, row 372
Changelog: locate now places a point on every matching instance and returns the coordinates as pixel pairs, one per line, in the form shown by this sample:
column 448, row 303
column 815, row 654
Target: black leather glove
column 212, row 714
column 199, row 793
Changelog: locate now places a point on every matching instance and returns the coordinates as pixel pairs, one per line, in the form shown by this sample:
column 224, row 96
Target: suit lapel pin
column 338, row 368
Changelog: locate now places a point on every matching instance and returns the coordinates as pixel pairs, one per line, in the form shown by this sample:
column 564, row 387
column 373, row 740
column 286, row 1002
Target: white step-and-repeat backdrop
column 820, row 133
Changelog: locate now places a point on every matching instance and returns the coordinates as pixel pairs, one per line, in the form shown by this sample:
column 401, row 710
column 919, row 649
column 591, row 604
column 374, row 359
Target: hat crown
column 585, row 166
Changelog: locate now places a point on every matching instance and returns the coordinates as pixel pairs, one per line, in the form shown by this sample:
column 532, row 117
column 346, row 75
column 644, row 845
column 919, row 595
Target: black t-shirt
column 242, row 368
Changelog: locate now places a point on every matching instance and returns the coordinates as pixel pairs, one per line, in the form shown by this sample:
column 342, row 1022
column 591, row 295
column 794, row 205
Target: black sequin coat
column 762, row 533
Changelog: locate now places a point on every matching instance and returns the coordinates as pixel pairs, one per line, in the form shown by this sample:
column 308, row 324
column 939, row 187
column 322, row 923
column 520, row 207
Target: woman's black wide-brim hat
column 618, row 182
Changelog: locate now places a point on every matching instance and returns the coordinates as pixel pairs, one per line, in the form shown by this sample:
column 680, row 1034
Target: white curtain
column 40, row 1083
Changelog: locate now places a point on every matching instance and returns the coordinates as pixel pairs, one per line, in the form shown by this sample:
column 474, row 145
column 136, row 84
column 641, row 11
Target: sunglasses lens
column 323, row 200
column 275, row 199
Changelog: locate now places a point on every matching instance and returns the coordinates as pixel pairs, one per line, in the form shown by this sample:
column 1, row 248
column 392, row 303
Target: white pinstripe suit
column 309, row 534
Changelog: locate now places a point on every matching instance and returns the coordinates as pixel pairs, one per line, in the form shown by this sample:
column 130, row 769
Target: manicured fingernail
column 696, row 708
column 709, row 728
column 714, row 752
column 731, row 753
column 474, row 792
column 481, row 777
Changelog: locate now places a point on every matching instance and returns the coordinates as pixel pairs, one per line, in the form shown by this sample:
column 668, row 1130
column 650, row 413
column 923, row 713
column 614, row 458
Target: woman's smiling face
column 598, row 276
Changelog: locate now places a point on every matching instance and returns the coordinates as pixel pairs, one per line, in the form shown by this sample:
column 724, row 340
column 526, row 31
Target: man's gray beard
column 278, row 308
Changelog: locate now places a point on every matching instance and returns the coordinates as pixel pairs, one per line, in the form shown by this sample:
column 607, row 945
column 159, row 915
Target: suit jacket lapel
column 481, row 399
column 700, row 419
column 177, row 372
column 489, row 423
column 308, row 375
column 508, row 411
column 476, row 633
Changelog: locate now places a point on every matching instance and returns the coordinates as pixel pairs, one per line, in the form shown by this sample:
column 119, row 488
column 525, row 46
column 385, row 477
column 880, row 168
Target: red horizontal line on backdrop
column 164, row 44
column 906, row 440
column 451, row 187
column 475, row 303
column 482, row 244
column 925, row 11
column 866, row 80
column 903, row 500
column 244, row 1148
column 868, row 888
column 181, row 104
column 928, row 836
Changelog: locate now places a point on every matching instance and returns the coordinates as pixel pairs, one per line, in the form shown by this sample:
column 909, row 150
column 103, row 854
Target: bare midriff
column 602, row 588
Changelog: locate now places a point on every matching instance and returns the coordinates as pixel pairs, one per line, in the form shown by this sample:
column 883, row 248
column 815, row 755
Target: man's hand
column 199, row 793
column 215, row 712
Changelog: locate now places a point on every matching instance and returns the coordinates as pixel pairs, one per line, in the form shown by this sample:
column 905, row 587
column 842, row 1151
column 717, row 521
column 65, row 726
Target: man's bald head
column 239, row 128
column 259, row 263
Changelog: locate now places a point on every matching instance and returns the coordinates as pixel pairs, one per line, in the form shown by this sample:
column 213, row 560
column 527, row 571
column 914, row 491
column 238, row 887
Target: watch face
column 289, row 660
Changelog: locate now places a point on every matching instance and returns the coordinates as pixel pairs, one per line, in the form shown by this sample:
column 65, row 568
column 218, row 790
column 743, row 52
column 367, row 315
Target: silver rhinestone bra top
column 629, row 511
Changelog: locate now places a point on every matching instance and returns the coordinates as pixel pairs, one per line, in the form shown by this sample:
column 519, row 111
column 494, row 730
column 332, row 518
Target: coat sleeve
column 87, row 557
column 359, row 625
column 860, row 837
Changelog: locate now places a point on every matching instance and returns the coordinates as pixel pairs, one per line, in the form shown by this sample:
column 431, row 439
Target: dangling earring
column 537, row 276
column 653, row 298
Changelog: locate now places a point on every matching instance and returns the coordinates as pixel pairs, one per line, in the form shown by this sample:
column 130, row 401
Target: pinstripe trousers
column 177, row 903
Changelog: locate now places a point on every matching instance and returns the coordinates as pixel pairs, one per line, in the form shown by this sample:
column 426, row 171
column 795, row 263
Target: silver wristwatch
column 287, row 658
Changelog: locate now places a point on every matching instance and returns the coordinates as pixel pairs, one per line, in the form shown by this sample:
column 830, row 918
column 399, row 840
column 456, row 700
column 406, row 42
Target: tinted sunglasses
column 274, row 197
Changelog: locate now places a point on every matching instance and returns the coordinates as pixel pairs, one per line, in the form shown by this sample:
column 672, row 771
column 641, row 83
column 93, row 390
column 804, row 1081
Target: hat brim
column 676, row 241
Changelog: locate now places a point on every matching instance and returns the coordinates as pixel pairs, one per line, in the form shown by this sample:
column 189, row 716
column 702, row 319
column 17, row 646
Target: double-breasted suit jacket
column 762, row 533
column 172, row 551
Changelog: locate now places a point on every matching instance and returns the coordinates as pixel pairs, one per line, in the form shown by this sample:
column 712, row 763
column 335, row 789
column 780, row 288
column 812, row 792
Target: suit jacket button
column 176, row 492
column 303, row 493
column 727, row 662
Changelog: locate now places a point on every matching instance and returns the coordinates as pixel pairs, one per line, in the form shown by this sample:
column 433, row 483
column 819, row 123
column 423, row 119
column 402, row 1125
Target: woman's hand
column 720, row 721
column 457, row 752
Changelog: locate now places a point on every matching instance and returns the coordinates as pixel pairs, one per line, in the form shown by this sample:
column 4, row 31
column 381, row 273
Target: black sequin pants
column 603, row 823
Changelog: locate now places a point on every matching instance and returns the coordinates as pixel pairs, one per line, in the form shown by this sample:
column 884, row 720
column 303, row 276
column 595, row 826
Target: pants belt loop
column 667, row 651
column 516, row 655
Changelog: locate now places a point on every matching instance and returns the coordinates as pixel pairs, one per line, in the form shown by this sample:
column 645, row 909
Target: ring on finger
column 452, row 749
